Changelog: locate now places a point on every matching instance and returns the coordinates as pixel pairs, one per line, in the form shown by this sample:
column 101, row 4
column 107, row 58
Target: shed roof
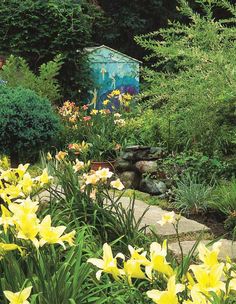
column 95, row 48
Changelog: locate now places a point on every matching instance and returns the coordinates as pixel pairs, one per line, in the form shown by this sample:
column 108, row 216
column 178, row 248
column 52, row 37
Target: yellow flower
column 209, row 257
column 49, row 234
column 6, row 218
column 104, row 174
column 49, row 156
column 92, row 179
column 61, row 155
column 132, row 269
column 94, row 112
column 12, row 192
column 8, row 247
column 28, row 228
column 117, row 115
column 44, row 178
column 79, row 165
column 26, row 183
column 208, row 279
column 69, row 238
column 108, row 264
column 117, row 184
column 158, row 260
column 21, row 170
column 18, row 297
column 167, row 218
column 105, row 102
column 26, row 206
column 168, row 296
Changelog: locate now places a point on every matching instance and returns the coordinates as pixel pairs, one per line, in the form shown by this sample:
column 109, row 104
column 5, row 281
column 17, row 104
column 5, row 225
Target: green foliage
column 16, row 72
column 141, row 128
column 27, row 123
column 192, row 82
column 191, row 195
column 194, row 163
column 225, row 198
column 40, row 30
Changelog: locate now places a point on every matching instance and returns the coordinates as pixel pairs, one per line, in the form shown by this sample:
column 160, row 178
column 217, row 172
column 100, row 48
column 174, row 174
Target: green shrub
column 192, row 80
column 191, row 195
column 27, row 123
column 16, row 72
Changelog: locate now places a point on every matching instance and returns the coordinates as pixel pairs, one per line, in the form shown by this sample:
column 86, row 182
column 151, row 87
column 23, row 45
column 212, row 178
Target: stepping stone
column 155, row 214
column 227, row 249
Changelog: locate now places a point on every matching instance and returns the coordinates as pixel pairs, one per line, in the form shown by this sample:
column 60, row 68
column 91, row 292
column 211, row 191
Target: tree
column 39, row 30
column 193, row 80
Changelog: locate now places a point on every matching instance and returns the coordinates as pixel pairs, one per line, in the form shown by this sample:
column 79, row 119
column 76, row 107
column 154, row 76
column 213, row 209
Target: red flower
column 86, row 118
column 85, row 107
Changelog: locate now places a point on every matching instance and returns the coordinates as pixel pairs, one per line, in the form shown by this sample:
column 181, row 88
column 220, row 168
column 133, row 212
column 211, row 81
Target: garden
column 126, row 194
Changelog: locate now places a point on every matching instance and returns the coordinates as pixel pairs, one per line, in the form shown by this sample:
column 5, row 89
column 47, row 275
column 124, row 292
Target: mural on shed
column 111, row 70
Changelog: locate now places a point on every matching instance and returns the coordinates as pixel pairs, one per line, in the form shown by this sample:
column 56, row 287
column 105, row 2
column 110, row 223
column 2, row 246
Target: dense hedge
column 27, row 123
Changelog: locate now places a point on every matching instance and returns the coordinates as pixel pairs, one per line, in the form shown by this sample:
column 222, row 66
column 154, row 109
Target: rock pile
column 137, row 165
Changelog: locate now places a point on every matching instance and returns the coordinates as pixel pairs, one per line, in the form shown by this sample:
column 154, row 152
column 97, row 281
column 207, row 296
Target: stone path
column 186, row 227
column 227, row 249
column 155, row 213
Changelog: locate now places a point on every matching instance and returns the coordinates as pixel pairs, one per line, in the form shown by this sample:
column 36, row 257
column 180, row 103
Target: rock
column 128, row 155
column 152, row 186
column 227, row 249
column 149, row 186
column 162, row 187
column 137, row 147
column 145, row 166
column 124, row 165
column 130, row 179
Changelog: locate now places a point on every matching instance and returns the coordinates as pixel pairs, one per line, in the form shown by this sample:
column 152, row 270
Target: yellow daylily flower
column 168, row 217
column 6, row 219
column 94, row 112
column 79, row 165
column 26, row 183
column 208, row 279
column 44, row 178
column 26, row 206
column 61, row 155
column 28, row 227
column 207, row 256
column 107, row 264
column 8, row 247
column 12, row 192
column 168, row 296
column 49, row 234
column 105, row 102
column 132, row 269
column 69, row 238
column 18, row 297
column 117, row 184
column 21, row 170
column 91, row 179
column 104, row 174
column 158, row 260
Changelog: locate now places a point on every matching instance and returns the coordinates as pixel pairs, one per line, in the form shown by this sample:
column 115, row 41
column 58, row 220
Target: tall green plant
column 192, row 82
column 16, row 72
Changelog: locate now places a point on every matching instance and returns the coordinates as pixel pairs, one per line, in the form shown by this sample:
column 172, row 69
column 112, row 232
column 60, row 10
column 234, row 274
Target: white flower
column 78, row 165
column 167, row 218
column 104, row 173
column 117, row 184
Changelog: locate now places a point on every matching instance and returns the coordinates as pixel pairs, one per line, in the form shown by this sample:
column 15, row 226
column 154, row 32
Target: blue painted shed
column 111, row 70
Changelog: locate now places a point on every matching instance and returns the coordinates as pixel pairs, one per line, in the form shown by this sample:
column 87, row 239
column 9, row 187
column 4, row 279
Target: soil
column 214, row 221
